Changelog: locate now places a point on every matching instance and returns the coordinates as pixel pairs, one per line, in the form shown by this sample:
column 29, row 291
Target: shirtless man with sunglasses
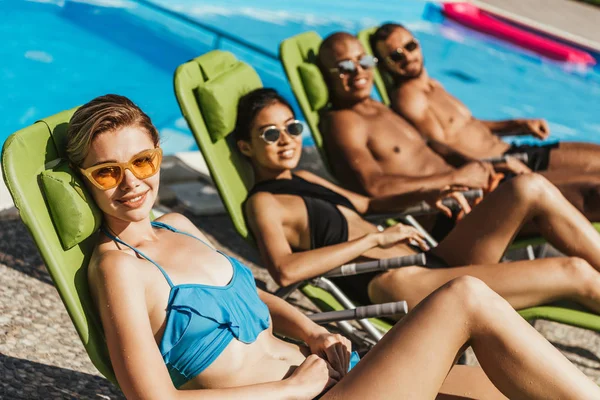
column 375, row 151
column 437, row 115
column 372, row 150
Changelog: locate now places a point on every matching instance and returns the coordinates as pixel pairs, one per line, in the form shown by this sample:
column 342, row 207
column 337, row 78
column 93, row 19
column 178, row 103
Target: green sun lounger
column 208, row 89
column 298, row 56
column 63, row 220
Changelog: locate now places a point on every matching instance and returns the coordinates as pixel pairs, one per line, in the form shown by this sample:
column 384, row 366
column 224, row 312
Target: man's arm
column 535, row 127
column 349, row 134
column 507, row 127
column 450, row 155
column 413, row 105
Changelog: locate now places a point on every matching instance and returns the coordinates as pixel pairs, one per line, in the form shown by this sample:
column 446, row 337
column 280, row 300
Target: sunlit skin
column 134, row 308
column 116, row 203
column 411, row 75
column 374, row 151
column 280, row 222
column 412, row 66
column 131, row 296
column 437, row 115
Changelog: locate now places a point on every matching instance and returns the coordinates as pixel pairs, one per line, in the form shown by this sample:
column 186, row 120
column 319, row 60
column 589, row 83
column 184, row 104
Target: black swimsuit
column 327, row 225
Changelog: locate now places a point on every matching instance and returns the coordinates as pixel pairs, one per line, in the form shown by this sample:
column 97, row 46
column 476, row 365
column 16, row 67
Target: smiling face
column 133, row 198
column 281, row 155
column 410, row 64
column 346, row 87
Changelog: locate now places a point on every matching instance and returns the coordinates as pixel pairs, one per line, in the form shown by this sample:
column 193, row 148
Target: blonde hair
column 103, row 114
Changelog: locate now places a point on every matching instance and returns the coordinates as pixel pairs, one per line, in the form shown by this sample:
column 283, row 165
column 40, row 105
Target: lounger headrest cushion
column 218, row 98
column 314, row 85
column 213, row 64
column 72, row 208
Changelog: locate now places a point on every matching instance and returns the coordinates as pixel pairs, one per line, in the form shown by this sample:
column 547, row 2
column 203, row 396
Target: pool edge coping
column 540, row 26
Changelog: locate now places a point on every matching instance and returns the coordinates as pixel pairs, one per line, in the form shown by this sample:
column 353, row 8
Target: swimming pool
column 60, row 53
column 495, row 79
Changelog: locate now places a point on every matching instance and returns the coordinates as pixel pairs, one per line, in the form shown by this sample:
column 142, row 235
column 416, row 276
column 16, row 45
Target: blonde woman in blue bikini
column 185, row 321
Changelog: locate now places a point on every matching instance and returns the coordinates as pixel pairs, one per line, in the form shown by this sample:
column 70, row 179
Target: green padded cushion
column 214, row 63
column 73, row 211
column 218, row 98
column 314, row 85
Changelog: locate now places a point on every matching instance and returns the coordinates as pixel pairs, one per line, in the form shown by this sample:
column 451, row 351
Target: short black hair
column 382, row 33
column 250, row 105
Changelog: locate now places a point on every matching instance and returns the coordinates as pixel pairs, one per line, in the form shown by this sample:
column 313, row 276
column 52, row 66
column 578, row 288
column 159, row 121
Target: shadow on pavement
column 18, row 251
column 24, row 379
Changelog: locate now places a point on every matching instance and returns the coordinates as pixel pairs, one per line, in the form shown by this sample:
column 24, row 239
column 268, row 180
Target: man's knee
column 532, row 187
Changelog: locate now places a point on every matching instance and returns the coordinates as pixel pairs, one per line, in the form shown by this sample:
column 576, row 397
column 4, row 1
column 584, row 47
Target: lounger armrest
column 523, row 157
column 362, row 312
column 377, row 265
column 425, row 208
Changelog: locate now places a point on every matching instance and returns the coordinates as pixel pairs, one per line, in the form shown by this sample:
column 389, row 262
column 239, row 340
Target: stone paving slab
column 573, row 20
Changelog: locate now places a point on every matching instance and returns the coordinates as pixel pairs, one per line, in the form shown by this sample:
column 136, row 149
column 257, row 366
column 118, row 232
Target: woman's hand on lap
column 312, row 377
column 335, row 348
column 401, row 233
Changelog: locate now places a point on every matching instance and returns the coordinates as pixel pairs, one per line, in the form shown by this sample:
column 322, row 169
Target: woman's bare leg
column 466, row 382
column 413, row 359
column 483, row 235
column 522, row 283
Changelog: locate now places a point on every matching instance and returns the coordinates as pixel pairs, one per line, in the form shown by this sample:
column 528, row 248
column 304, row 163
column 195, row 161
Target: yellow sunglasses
column 109, row 175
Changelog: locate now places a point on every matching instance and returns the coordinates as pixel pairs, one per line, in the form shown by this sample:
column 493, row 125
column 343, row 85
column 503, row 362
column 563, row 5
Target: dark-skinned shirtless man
column 439, row 116
column 375, row 151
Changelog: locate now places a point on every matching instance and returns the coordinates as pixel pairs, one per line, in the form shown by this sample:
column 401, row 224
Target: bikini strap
column 159, row 224
column 116, row 239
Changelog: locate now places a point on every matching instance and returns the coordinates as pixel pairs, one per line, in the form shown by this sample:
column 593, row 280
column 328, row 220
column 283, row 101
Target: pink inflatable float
column 471, row 16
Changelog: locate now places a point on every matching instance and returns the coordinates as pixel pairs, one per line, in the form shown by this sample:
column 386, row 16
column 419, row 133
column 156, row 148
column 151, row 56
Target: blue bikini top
column 203, row 319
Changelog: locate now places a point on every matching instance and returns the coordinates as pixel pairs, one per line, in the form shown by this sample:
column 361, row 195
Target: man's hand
column 462, row 202
column 513, row 165
column 537, row 128
column 475, row 175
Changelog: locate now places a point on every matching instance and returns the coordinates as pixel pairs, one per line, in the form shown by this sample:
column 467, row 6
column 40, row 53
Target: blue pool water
column 60, row 53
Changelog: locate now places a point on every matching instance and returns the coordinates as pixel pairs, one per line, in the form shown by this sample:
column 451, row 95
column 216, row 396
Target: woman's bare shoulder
column 177, row 220
column 182, row 223
column 108, row 264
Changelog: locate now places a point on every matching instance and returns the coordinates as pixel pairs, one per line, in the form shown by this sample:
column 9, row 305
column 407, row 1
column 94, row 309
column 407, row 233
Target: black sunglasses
column 346, row 67
column 400, row 53
column 271, row 134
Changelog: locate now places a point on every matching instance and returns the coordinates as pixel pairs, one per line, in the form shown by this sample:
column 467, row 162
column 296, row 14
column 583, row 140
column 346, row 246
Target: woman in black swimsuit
column 306, row 226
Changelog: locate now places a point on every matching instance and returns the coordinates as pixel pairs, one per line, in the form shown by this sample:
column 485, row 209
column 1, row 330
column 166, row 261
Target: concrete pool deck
column 569, row 19
column 41, row 355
